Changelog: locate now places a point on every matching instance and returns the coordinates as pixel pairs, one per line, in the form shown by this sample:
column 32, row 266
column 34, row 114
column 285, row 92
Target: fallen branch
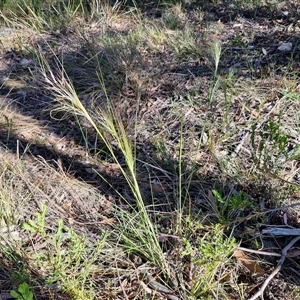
column 276, row 270
column 281, row 231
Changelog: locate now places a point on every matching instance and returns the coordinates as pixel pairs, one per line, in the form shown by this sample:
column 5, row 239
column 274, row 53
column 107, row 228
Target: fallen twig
column 240, row 145
column 277, row 231
column 277, row 269
column 271, row 210
column 258, row 252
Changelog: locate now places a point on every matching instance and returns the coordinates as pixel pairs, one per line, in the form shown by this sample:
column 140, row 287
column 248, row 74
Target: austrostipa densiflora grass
column 136, row 230
column 145, row 241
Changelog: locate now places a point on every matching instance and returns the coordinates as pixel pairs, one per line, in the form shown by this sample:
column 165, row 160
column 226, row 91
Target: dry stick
column 273, row 210
column 240, row 145
column 277, row 269
column 120, row 282
column 258, row 251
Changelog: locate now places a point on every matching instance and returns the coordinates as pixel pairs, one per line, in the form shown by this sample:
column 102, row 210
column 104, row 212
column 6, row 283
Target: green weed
column 214, row 249
column 23, row 292
column 228, row 207
column 37, row 226
column 272, row 147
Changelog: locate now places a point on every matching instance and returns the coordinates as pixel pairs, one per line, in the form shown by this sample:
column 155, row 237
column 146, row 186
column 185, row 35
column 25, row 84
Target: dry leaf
column 106, row 207
column 109, row 221
column 248, row 262
column 255, row 113
column 68, row 208
column 226, row 277
column 145, row 287
column 264, row 51
column 162, row 237
column 157, row 186
column 293, row 252
column 154, row 89
column 285, row 47
column 285, row 219
column 24, row 62
column 114, row 166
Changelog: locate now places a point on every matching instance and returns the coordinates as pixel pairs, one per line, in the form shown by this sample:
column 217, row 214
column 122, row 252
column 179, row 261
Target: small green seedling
column 227, row 207
column 37, row 226
column 9, row 124
column 23, row 292
column 273, row 142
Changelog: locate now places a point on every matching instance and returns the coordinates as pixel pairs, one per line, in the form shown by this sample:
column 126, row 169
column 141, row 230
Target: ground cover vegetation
column 149, row 149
